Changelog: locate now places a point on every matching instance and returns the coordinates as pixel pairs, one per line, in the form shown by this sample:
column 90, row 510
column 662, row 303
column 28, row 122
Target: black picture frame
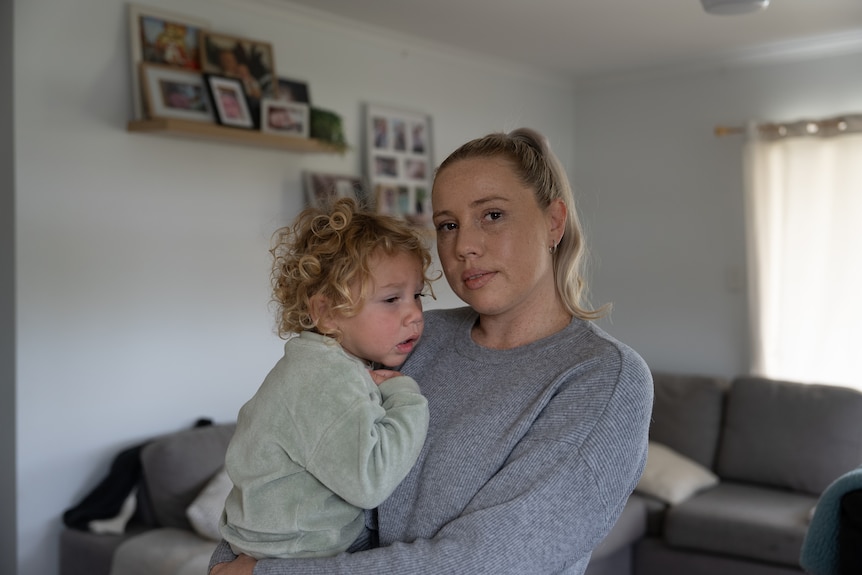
column 229, row 101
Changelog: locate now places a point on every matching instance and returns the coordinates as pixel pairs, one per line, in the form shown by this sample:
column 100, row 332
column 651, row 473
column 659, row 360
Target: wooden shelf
column 214, row 132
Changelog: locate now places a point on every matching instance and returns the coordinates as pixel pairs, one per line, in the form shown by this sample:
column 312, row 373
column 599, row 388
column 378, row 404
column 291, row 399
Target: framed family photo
column 161, row 37
column 293, row 91
column 399, row 163
column 250, row 61
column 284, row 118
column 321, row 189
column 175, row 93
column 229, row 101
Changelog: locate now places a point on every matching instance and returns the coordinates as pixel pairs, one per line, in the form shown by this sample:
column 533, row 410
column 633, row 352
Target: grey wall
column 8, row 542
column 664, row 196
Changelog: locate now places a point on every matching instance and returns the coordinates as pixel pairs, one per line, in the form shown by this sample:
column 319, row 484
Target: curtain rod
column 827, row 127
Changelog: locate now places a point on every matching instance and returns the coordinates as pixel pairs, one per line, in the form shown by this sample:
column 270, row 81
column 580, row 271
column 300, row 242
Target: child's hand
column 381, row 375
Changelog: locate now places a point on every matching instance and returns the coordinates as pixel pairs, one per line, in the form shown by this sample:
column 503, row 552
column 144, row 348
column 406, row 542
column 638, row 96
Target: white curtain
column 804, row 233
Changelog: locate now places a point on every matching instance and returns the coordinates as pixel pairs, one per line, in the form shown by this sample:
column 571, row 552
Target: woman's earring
column 553, row 249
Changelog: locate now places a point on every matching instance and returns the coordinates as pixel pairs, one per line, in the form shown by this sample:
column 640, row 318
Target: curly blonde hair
column 326, row 252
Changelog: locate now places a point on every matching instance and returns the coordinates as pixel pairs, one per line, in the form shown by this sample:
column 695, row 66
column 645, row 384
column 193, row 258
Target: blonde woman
column 539, row 419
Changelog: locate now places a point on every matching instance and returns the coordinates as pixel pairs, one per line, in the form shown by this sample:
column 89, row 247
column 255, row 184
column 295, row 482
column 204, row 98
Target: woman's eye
column 446, row 226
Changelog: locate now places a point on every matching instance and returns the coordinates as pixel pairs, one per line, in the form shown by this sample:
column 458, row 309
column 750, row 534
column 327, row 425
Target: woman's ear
column 557, row 213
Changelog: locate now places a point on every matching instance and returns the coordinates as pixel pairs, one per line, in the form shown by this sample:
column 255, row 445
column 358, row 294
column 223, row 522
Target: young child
column 326, row 435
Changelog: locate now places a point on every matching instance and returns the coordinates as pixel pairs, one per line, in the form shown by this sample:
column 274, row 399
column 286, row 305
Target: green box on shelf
column 326, row 127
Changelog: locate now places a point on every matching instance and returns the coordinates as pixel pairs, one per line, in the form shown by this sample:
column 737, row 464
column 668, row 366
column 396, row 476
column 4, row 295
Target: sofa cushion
column 687, row 413
column 750, row 521
column 163, row 551
column 206, row 510
column 176, row 468
column 671, row 477
column 791, row 435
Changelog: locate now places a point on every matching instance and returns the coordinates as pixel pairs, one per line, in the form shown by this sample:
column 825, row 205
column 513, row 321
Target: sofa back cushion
column 687, row 413
column 791, row 435
column 178, row 466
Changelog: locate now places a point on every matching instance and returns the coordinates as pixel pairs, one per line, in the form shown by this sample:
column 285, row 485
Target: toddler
column 327, row 434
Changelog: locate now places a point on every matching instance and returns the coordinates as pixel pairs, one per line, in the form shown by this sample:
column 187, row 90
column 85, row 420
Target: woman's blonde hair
column 327, row 252
column 538, row 168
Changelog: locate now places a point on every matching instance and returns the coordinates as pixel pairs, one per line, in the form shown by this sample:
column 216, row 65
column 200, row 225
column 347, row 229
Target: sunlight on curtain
column 804, row 230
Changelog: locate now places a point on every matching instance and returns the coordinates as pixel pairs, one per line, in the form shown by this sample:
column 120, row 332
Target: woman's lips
column 475, row 279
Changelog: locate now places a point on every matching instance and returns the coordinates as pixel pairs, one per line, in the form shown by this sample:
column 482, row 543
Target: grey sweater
column 530, row 456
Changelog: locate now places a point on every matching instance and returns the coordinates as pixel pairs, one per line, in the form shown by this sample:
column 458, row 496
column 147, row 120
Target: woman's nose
column 467, row 242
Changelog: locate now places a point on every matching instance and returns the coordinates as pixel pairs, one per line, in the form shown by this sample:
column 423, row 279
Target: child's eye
column 419, row 295
column 494, row 215
column 392, row 299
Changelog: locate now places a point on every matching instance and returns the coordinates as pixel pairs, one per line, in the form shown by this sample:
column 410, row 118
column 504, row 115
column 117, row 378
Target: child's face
column 389, row 323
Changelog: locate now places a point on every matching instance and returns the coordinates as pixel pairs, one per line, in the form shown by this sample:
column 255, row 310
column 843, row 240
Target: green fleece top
column 315, row 445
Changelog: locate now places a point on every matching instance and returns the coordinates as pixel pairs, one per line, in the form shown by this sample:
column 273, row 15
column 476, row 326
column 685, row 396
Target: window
column 804, row 233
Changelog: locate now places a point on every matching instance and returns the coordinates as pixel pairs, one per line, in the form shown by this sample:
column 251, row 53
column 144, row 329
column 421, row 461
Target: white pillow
column 205, row 511
column 672, row 477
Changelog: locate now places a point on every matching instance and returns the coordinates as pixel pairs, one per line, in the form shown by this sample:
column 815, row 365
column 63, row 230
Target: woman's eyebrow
column 474, row 204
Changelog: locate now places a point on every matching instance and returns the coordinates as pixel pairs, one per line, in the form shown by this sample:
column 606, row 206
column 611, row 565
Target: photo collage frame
column 398, row 163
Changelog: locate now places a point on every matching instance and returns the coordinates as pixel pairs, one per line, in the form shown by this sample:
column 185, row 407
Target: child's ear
column 320, row 313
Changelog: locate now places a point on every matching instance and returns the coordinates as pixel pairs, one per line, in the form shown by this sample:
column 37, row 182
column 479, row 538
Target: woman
column 539, row 420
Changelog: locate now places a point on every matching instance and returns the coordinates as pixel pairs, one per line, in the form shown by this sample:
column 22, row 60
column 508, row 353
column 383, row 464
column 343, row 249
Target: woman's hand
column 242, row 565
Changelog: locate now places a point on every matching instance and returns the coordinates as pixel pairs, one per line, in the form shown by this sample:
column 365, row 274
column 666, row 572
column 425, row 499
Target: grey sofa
column 769, row 447
column 773, row 447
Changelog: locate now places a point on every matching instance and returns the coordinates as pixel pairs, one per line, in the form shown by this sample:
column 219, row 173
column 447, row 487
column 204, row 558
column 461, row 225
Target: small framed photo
column 229, row 101
column 175, row 93
column 250, row 61
column 293, row 91
column 161, row 37
column 322, row 189
column 284, row 118
column 398, row 162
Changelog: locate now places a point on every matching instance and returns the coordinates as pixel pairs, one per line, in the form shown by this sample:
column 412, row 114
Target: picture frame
column 322, row 189
column 229, row 101
column 284, row 118
column 171, row 92
column 293, row 91
column 161, row 37
column 250, row 61
column 399, row 162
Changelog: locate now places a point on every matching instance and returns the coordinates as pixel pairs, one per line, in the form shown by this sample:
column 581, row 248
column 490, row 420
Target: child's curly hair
column 326, row 251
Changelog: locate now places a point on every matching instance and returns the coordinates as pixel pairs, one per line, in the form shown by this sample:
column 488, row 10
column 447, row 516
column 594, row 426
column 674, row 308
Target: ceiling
column 600, row 37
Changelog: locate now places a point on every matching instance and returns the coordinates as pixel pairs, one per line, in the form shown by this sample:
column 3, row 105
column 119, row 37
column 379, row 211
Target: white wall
column 142, row 264
column 664, row 197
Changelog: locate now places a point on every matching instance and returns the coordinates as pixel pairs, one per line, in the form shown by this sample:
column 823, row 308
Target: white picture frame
column 399, row 162
column 175, row 93
column 284, row 118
